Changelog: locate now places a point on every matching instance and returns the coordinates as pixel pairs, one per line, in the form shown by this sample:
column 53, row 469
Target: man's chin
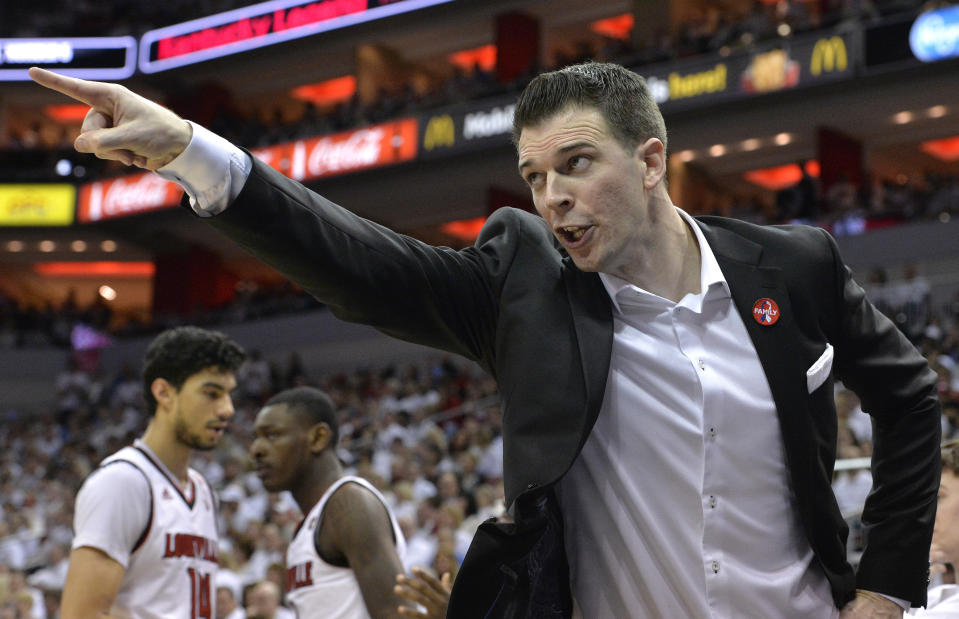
column 200, row 444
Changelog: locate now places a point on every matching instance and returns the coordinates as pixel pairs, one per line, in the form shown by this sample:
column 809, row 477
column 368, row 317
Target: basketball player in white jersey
column 344, row 557
column 145, row 543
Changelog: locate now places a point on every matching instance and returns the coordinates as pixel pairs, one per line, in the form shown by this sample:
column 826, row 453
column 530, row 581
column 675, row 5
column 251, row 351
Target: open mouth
column 572, row 235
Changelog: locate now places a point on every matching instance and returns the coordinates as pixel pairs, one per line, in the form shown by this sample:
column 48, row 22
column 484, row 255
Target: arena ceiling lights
column 260, row 25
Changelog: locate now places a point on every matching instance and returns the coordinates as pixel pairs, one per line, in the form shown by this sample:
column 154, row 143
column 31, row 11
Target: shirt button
column 712, row 433
column 712, row 501
column 715, row 567
column 702, row 365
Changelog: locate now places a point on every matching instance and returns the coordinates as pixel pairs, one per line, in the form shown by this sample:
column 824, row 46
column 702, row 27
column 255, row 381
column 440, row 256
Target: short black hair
column 620, row 95
column 177, row 354
column 311, row 406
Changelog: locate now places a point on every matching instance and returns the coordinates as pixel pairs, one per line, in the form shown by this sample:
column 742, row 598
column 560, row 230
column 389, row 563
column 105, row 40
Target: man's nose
column 558, row 195
column 226, row 410
column 255, row 449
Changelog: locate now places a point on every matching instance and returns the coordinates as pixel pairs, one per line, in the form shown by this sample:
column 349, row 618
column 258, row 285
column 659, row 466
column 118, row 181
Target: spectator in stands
column 944, row 599
column 264, row 602
column 226, row 605
column 950, row 419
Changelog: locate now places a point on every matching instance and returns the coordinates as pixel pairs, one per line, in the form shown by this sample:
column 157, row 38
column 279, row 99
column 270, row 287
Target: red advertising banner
column 127, row 195
column 340, row 153
column 329, row 155
column 259, row 25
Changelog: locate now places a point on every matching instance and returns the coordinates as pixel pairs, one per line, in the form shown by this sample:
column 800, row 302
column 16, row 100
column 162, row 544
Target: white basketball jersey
column 314, row 587
column 173, row 567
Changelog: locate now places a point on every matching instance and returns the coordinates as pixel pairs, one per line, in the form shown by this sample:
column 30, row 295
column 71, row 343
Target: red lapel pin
column 766, row 312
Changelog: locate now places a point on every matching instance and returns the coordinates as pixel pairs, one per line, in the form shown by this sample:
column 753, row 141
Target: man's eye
column 578, row 162
column 533, row 178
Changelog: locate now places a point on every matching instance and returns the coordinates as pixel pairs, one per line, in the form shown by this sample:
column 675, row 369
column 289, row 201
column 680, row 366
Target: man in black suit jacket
column 527, row 303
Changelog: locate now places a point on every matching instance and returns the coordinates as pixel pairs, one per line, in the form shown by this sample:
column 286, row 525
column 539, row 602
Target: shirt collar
column 710, row 277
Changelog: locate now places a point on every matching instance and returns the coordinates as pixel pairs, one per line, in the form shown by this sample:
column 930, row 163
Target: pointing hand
column 121, row 125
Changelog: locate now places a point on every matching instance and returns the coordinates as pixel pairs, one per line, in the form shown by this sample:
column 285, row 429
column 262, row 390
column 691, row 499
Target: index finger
column 94, row 94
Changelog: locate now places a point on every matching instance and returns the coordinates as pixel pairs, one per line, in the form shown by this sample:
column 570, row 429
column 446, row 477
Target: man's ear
column 654, row 156
column 319, row 437
column 163, row 392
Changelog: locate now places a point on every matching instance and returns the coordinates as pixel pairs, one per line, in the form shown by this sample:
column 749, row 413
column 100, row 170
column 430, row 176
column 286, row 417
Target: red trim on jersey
column 163, row 470
column 146, row 529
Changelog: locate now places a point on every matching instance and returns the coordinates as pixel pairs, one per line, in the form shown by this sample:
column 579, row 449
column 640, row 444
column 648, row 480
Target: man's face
column 263, row 602
column 280, row 447
column 945, row 533
column 588, row 188
column 224, row 602
column 203, row 408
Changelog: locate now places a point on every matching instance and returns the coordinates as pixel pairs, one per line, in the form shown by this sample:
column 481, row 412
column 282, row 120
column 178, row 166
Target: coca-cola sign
column 127, row 195
column 341, row 153
column 320, row 157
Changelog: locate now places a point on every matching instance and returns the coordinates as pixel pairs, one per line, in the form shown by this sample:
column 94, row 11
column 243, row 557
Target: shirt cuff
column 211, row 170
column 903, row 604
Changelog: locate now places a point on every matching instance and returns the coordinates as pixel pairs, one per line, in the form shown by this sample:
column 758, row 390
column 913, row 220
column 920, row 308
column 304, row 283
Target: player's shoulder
column 353, row 500
column 117, row 475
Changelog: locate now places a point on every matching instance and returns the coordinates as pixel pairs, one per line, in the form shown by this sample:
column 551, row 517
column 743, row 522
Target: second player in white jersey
column 317, row 588
column 344, row 560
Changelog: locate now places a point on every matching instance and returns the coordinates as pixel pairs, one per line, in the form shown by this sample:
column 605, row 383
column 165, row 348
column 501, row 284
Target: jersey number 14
column 200, row 606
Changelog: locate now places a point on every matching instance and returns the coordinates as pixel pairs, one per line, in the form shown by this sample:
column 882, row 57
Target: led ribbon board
column 92, row 58
column 260, row 25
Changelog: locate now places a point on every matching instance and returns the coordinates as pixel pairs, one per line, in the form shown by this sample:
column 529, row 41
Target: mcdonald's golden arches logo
column 829, row 55
column 440, row 131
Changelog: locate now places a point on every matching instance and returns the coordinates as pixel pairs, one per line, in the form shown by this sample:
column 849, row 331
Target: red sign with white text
column 127, row 195
column 329, row 155
column 259, row 25
column 341, row 153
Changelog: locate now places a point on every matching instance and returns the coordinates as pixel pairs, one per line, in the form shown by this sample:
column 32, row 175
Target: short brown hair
column 949, row 454
column 620, row 95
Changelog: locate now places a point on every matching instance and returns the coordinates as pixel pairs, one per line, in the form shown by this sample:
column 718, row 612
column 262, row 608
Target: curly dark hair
column 177, row 354
column 310, row 406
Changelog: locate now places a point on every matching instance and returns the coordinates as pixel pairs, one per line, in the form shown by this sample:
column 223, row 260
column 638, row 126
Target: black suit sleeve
column 898, row 389
column 366, row 273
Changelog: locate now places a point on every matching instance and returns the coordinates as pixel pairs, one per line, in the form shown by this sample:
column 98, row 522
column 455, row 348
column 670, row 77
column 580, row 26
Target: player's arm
column 93, row 581
column 357, row 527
column 112, row 513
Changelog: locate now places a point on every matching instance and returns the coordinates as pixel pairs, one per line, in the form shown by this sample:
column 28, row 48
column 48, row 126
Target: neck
column 172, row 453
column 325, row 470
column 670, row 264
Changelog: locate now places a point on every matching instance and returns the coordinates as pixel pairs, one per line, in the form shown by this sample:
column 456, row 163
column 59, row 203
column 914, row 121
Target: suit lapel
column 593, row 321
column 776, row 345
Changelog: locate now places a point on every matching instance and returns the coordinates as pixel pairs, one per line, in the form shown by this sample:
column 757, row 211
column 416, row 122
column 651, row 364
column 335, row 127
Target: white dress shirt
column 680, row 504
